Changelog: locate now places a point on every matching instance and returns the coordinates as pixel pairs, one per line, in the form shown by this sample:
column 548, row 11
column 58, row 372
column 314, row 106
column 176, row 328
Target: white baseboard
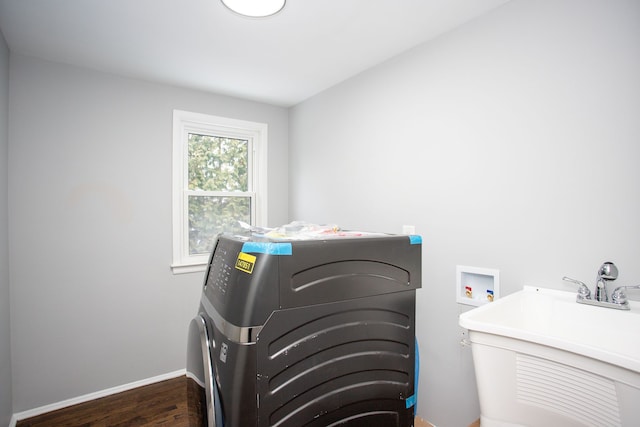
column 92, row 396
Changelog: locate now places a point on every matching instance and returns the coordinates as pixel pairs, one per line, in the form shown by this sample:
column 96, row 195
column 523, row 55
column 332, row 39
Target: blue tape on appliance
column 416, row 377
column 268, row 248
column 411, row 401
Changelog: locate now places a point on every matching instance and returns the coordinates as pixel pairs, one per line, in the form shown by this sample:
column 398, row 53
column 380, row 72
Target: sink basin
column 543, row 359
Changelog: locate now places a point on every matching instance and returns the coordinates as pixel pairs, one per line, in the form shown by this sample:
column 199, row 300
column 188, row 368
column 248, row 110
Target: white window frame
column 185, row 122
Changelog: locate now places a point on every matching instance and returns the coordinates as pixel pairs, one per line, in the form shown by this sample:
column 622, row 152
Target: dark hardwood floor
column 160, row 404
column 167, row 403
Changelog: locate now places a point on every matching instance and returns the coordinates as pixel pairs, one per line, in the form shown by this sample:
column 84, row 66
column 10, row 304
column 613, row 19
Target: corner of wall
column 6, row 404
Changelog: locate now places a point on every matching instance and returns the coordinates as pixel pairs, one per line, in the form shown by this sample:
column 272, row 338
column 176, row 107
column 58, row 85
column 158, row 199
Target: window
column 219, row 179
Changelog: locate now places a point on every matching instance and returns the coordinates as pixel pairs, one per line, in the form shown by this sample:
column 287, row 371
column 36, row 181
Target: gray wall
column 94, row 303
column 5, row 335
column 510, row 143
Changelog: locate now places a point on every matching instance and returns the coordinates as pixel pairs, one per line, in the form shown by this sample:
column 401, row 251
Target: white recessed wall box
column 477, row 286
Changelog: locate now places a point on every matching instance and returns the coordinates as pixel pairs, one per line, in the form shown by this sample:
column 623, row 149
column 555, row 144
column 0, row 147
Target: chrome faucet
column 607, row 272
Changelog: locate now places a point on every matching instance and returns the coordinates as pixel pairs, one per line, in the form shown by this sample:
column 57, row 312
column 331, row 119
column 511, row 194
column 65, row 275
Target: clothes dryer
column 314, row 332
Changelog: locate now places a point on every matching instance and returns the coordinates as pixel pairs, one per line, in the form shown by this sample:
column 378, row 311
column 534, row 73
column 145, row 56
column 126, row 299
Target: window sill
column 188, row 268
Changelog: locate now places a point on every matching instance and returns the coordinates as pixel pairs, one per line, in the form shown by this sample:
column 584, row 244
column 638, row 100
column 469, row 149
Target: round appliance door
column 201, row 371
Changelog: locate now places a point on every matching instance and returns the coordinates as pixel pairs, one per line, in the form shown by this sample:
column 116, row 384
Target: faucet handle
column 619, row 297
column 583, row 290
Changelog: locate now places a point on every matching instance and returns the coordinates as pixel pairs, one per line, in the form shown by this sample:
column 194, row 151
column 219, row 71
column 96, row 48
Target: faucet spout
column 608, row 271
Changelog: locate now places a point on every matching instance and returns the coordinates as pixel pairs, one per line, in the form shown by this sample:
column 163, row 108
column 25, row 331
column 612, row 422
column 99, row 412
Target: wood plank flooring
column 161, row 404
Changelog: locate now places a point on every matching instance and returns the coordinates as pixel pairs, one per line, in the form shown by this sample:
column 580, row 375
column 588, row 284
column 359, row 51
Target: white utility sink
column 542, row 359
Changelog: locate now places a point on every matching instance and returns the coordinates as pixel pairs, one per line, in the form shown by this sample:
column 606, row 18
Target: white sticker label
column 223, row 352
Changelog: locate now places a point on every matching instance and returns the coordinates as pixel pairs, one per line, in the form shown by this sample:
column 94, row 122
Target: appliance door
column 202, row 371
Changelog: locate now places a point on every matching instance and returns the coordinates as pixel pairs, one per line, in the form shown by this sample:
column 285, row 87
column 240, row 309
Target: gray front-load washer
column 306, row 332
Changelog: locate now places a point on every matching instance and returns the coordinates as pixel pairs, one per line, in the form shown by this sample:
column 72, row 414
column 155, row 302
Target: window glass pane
column 217, row 163
column 210, row 215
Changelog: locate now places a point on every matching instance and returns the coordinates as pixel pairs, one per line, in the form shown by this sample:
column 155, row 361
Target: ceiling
column 281, row 60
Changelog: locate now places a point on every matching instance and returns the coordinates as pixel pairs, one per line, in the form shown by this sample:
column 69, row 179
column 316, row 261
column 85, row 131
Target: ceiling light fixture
column 255, row 8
